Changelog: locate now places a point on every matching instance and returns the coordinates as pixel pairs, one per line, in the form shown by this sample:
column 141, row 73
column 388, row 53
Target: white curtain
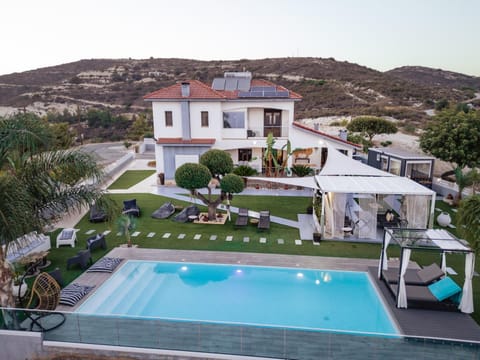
column 402, row 294
column 329, row 223
column 444, row 262
column 383, row 265
column 367, row 223
column 418, row 210
column 339, row 204
column 466, row 304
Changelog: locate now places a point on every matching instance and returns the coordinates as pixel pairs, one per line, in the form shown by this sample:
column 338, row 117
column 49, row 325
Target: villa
column 236, row 114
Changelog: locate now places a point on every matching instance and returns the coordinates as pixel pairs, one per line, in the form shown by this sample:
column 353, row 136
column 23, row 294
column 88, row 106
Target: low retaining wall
column 20, row 345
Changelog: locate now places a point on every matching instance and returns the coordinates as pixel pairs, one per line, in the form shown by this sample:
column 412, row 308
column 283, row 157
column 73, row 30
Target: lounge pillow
column 105, row 264
column 73, row 293
column 66, row 235
column 445, row 288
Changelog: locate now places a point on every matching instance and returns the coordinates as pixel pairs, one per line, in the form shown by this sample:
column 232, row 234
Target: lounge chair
column 45, row 295
column 97, row 214
column 164, row 211
column 441, row 295
column 131, row 208
column 96, row 241
column 242, row 218
column 264, row 221
column 424, row 276
column 183, row 215
column 83, row 258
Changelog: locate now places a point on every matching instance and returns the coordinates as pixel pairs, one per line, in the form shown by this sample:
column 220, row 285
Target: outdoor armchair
column 130, row 207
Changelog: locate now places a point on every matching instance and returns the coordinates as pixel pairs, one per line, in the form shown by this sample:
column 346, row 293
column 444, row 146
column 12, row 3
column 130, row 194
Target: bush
column 302, row 170
column 244, row 170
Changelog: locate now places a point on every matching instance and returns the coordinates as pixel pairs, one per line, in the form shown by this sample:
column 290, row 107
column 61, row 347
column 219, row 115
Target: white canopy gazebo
column 427, row 240
column 350, row 189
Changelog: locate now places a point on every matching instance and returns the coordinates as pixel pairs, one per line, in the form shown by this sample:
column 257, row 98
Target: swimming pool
column 267, row 296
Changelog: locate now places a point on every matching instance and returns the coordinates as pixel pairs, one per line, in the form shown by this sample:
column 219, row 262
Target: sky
column 380, row 34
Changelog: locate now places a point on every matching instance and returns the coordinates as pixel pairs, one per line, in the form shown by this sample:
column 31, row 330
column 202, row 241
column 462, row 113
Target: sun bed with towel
column 424, row 276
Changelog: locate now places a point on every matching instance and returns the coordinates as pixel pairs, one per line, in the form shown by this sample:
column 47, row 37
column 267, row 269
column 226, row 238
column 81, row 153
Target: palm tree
column 468, row 220
column 37, row 185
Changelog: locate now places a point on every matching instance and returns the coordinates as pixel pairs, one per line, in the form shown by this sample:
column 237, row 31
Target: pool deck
column 411, row 322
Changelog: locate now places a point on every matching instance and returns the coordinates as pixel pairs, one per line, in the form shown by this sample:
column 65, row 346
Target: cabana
column 438, row 240
column 355, row 196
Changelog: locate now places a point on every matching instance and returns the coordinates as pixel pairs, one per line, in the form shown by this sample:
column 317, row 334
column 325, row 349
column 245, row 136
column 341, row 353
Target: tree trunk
column 212, row 212
column 6, row 279
column 212, row 204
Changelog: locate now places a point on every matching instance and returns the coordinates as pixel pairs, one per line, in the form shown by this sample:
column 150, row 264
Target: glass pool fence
column 233, row 339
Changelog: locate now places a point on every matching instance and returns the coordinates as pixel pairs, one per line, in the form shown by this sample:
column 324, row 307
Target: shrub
column 302, row 170
column 244, row 170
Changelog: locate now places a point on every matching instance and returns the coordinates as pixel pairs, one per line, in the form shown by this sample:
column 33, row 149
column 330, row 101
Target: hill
column 328, row 87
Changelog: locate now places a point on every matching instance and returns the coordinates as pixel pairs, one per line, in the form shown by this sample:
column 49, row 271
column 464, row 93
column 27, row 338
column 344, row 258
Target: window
column 384, row 165
column 395, row 166
column 168, row 119
column 234, row 120
column 418, row 169
column 244, row 154
column 204, row 115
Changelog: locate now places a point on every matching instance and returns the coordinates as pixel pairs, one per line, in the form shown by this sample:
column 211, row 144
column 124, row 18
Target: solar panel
column 263, row 88
column 263, row 94
column 218, row 84
column 244, row 84
column 231, row 84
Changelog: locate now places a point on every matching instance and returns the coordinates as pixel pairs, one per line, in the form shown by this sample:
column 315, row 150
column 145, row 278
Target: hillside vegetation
column 328, row 87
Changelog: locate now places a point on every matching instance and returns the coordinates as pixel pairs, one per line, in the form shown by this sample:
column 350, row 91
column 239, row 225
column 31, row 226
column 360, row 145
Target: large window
column 168, row 119
column 204, row 115
column 244, row 154
column 395, row 166
column 234, row 120
column 418, row 169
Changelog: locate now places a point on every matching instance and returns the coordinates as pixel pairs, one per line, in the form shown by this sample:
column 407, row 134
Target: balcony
column 262, row 132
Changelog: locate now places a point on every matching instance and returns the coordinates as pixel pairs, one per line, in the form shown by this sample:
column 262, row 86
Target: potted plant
column 19, row 286
column 317, row 237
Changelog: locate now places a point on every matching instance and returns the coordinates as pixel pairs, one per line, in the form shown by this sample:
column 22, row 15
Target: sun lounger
column 242, row 218
column 441, row 295
column 264, row 221
column 164, row 211
column 183, row 215
column 424, row 276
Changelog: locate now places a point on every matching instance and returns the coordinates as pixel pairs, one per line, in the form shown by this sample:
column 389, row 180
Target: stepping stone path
column 181, row 236
column 106, row 232
column 90, row 232
column 246, row 239
column 229, row 238
column 166, row 235
column 150, row 235
column 197, row 237
column 213, row 237
column 280, row 241
column 136, row 233
column 119, row 233
column 298, row 242
column 451, row 226
column 263, row 240
column 316, row 243
column 455, row 210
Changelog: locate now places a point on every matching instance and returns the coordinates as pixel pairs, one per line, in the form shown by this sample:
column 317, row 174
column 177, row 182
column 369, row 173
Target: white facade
column 246, row 127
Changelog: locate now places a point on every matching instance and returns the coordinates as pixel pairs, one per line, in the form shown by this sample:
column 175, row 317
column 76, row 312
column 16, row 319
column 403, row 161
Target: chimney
column 185, row 89
column 342, row 134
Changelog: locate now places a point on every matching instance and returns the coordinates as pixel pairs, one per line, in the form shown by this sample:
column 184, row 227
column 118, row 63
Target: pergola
column 437, row 240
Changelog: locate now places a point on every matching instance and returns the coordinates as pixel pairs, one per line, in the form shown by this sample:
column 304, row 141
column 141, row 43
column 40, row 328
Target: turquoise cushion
column 445, row 288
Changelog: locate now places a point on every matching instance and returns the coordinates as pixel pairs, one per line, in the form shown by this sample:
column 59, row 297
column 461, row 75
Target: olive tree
column 213, row 166
column 369, row 126
column 454, row 136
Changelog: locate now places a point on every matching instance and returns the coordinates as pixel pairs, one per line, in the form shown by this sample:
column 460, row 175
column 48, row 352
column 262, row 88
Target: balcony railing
column 277, row 131
column 243, row 340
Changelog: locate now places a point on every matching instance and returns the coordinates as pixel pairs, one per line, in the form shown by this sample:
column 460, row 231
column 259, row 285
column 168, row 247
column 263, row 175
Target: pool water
column 267, row 296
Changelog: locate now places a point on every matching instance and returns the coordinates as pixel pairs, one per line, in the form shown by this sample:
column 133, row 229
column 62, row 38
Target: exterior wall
column 215, row 120
column 160, row 166
column 303, row 139
column 159, row 128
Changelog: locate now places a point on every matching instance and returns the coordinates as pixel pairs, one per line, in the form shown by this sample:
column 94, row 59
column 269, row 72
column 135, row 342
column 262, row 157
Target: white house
column 235, row 114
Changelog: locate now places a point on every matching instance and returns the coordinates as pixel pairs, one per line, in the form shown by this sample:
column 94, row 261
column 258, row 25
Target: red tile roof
column 199, row 90
column 181, row 141
column 321, row 133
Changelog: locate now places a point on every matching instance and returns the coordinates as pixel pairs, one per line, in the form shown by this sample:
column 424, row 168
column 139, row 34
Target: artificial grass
column 130, row 178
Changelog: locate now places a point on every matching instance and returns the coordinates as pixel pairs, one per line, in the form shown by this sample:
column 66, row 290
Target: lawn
column 145, row 224
column 130, row 178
